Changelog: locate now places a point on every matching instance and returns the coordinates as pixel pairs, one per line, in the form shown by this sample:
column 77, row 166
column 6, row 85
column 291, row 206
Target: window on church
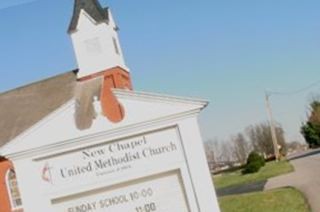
column 13, row 190
column 116, row 47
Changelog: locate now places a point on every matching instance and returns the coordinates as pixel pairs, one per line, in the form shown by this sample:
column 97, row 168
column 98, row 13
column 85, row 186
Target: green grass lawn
column 279, row 200
column 271, row 169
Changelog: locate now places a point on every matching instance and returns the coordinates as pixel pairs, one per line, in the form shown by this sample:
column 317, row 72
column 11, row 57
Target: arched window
column 13, row 190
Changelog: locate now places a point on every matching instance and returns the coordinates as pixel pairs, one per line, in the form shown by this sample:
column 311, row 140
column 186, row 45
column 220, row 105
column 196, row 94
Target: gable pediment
column 140, row 108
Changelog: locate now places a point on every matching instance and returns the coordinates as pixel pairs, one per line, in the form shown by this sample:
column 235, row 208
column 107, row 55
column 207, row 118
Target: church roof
column 93, row 8
column 23, row 107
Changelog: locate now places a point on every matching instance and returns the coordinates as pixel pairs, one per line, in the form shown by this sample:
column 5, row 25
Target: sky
column 227, row 52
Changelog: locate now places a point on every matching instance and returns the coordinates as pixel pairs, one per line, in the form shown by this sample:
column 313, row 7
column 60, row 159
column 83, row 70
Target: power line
column 269, row 93
column 271, row 120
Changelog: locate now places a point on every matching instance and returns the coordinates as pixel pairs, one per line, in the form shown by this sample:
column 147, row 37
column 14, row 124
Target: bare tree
column 213, row 153
column 261, row 139
column 226, row 152
column 218, row 151
column 211, row 149
column 241, row 148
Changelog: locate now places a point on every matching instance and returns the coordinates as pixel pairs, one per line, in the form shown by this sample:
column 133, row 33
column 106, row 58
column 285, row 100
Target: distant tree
column 296, row 146
column 241, row 148
column 218, row 151
column 226, row 152
column 211, row 150
column 261, row 139
column 311, row 129
column 281, row 140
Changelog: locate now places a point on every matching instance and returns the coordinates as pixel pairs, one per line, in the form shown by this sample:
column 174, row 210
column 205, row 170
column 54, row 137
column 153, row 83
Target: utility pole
column 272, row 128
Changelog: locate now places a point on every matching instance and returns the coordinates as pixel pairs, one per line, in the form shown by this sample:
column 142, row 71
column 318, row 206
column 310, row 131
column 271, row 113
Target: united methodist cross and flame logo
column 46, row 173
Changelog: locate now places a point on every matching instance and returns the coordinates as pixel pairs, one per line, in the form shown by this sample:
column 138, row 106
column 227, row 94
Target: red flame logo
column 46, row 173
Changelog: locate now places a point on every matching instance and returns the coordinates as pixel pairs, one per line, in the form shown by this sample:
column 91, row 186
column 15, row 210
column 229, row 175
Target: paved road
column 251, row 187
column 306, row 177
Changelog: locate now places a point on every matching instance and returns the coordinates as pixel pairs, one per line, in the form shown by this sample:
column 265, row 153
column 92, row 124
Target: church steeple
column 92, row 8
column 94, row 34
column 96, row 44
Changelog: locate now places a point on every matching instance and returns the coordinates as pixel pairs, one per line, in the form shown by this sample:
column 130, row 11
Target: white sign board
column 109, row 168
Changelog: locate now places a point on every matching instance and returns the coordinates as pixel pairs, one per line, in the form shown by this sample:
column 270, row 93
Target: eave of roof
column 23, row 107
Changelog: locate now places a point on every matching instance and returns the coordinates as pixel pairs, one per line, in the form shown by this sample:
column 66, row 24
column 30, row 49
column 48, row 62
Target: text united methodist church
column 85, row 141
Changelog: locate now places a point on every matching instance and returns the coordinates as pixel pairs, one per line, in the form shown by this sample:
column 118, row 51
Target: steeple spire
column 92, row 8
column 95, row 39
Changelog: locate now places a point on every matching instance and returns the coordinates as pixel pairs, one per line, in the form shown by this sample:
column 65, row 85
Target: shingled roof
column 23, row 107
column 93, row 8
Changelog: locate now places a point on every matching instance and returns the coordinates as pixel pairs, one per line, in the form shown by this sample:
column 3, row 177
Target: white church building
column 85, row 141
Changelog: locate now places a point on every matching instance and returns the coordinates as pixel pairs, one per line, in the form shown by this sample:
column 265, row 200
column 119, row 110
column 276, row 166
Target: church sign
column 154, row 159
